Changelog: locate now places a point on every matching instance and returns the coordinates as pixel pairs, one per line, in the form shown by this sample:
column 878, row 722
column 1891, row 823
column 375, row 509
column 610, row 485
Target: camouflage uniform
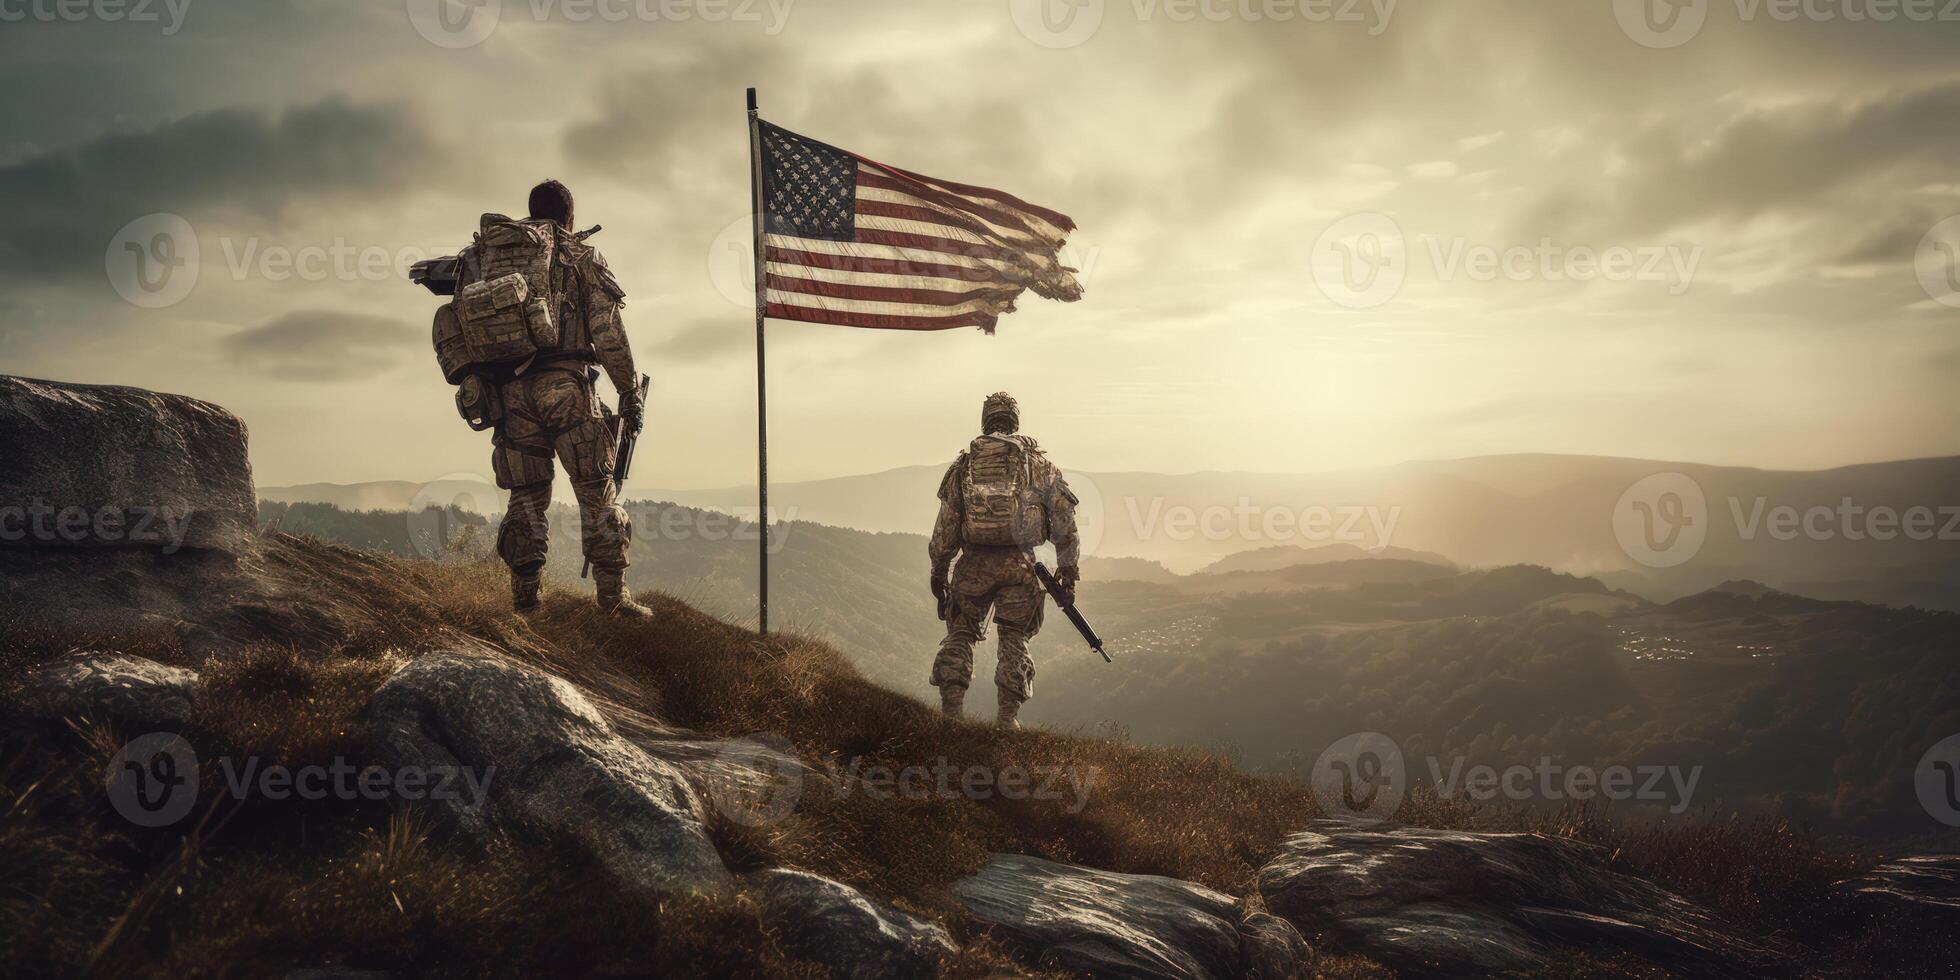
column 552, row 410
column 996, row 579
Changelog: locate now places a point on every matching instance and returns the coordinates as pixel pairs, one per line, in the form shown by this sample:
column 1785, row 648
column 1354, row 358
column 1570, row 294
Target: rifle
column 623, row 443
column 1066, row 604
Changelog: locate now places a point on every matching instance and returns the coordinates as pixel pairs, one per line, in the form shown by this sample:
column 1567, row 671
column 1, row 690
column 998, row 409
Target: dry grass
column 269, row 885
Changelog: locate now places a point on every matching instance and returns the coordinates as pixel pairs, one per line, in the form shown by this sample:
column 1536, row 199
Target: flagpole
column 761, row 374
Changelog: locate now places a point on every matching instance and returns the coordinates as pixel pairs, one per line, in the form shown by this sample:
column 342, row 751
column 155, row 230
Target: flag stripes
column 853, row 242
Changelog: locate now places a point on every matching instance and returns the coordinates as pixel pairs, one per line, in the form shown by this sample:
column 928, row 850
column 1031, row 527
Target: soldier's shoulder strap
column 592, row 266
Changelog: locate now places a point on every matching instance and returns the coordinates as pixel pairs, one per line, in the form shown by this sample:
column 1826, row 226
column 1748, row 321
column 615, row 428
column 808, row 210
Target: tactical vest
column 1001, row 493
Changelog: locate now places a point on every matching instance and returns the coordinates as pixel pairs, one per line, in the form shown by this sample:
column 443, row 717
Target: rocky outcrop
column 105, row 466
column 1438, row 902
column 551, row 765
column 139, row 693
column 827, row 922
column 1118, row 925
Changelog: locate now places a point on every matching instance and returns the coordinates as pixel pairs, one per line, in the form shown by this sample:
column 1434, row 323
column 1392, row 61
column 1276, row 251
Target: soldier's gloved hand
column 631, row 413
column 1066, row 577
column 939, row 587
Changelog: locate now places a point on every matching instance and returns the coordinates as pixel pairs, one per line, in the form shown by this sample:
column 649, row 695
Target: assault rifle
column 624, row 442
column 1066, row 603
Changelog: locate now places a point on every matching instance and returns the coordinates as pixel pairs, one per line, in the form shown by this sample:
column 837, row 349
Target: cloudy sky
column 1313, row 236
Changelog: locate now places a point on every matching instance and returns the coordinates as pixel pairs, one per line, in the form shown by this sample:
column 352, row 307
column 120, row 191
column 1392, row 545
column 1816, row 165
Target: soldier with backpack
column 534, row 320
column 1000, row 499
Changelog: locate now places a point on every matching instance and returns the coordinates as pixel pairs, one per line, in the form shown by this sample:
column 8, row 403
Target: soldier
column 997, row 501
column 551, row 408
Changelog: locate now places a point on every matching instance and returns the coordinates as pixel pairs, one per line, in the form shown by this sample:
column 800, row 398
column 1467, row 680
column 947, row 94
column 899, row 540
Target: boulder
column 857, row 939
column 140, row 693
column 106, row 466
column 1439, row 902
column 550, row 764
column 1118, row 925
column 1272, row 948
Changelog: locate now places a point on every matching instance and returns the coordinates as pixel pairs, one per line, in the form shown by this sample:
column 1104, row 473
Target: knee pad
column 521, row 542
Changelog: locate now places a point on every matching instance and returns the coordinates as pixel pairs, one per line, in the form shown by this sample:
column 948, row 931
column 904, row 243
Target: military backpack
column 1001, row 500
column 501, row 314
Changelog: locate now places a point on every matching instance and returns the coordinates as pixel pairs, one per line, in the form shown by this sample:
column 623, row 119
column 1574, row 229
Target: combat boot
column 952, row 701
column 614, row 600
column 524, row 588
column 1009, row 715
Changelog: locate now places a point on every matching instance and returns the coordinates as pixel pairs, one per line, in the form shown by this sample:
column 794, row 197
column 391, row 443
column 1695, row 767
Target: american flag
column 853, row 242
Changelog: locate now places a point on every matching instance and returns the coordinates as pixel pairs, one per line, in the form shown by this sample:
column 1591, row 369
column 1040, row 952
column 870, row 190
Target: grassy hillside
column 259, row 887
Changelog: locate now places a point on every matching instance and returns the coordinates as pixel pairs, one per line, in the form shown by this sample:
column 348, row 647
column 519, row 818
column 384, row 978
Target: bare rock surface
column 834, row 924
column 138, row 692
column 1438, row 902
column 1105, row 924
column 109, row 466
column 552, row 766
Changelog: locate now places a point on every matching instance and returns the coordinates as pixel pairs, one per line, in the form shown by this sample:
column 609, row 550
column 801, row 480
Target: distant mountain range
column 1788, row 529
